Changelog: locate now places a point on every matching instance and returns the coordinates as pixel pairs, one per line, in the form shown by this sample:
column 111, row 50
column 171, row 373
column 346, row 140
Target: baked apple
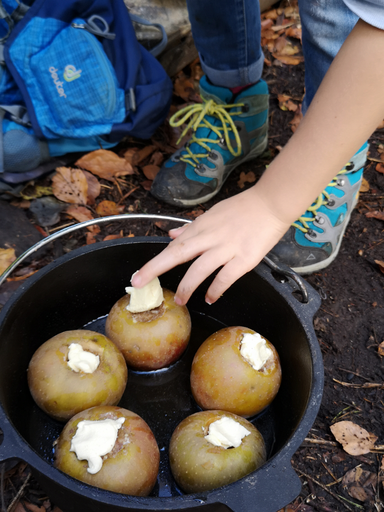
column 111, row 448
column 235, row 370
column 210, row 449
column 76, row 370
column 149, row 328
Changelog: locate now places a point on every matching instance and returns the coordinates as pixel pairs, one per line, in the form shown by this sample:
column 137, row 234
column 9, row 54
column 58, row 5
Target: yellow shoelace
column 321, row 200
column 196, row 115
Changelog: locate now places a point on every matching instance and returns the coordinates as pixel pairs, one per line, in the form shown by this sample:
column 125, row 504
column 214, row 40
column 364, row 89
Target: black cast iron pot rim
column 279, row 462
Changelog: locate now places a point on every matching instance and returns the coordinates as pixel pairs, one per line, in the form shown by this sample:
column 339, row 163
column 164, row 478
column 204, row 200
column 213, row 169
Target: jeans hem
column 234, row 77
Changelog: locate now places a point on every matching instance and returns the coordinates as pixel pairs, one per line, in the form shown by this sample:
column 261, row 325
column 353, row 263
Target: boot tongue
column 220, row 95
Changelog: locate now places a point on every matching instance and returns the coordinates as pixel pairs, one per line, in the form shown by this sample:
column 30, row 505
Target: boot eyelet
column 245, row 108
column 176, row 158
column 222, row 142
column 212, row 155
column 349, row 167
column 340, row 183
column 331, row 202
column 238, row 128
column 312, row 233
column 200, row 168
column 320, row 220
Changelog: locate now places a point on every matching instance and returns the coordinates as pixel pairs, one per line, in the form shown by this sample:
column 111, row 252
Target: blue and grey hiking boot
column 227, row 131
column 314, row 240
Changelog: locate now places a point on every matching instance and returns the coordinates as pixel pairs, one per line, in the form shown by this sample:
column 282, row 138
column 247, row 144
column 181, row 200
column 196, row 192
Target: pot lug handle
column 268, row 490
column 10, row 442
column 286, row 271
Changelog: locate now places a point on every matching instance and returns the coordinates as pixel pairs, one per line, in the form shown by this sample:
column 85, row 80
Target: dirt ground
column 349, row 324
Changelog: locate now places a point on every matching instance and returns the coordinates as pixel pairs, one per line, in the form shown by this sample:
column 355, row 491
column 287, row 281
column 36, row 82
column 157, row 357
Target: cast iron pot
column 78, row 290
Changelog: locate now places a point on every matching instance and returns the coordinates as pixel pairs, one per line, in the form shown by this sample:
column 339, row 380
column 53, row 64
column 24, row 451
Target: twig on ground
column 354, row 373
column 367, row 385
column 336, row 496
column 329, row 471
column 321, row 441
column 19, row 493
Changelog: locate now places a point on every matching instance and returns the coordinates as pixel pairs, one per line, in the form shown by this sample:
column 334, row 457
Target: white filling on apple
column 254, row 350
column 94, row 439
column 80, row 360
column 148, row 297
column 226, row 432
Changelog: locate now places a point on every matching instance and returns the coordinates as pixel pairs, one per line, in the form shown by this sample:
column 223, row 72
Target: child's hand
column 235, row 234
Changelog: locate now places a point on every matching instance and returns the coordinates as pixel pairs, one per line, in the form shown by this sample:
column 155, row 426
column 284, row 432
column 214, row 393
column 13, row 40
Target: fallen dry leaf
column 375, row 215
column 381, row 265
column 106, row 208
column 114, row 237
column 294, row 32
column 355, row 439
column 195, row 213
column 146, row 184
column 196, row 70
column 360, row 484
column 296, row 120
column 7, row 256
column 22, row 277
column 105, row 164
column 35, row 191
column 288, row 59
column 184, row 87
column 70, row 185
column 380, row 168
column 246, row 177
column 283, row 47
column 157, row 158
column 286, row 103
column 91, row 238
column 143, row 154
column 381, row 351
column 265, row 24
column 129, row 154
column 82, row 214
column 270, row 15
column 150, row 171
column 364, row 187
column 94, row 187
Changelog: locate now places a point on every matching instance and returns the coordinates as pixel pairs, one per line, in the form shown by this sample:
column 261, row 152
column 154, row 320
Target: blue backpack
column 73, row 78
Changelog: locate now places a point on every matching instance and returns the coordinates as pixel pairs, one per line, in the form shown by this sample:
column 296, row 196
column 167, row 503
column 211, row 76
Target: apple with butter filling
column 76, row 370
column 210, row 449
column 150, row 329
column 111, row 448
column 236, row 370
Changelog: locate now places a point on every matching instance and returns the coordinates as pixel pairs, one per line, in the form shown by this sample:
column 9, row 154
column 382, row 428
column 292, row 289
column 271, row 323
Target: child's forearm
column 347, row 108
column 237, row 233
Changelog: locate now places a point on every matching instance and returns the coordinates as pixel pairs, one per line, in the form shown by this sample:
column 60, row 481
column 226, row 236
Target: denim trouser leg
column 227, row 36
column 326, row 24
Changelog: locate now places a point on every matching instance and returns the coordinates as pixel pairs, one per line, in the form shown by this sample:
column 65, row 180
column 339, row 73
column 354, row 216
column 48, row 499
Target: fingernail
column 178, row 301
column 208, row 302
column 136, row 279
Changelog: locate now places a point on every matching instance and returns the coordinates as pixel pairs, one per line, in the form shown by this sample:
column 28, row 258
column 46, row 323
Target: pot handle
column 277, row 485
column 133, row 216
column 11, row 445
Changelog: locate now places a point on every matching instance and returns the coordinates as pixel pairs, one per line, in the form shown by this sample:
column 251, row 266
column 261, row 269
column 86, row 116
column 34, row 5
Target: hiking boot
column 314, row 240
column 227, row 131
